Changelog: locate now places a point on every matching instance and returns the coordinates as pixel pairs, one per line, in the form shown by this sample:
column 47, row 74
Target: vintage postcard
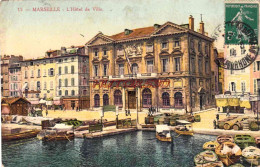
column 140, row 83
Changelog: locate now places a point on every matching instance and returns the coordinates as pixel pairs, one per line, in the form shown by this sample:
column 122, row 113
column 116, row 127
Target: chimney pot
column 191, row 23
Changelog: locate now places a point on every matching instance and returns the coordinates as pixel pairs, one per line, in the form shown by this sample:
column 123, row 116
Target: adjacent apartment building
column 164, row 66
column 60, row 77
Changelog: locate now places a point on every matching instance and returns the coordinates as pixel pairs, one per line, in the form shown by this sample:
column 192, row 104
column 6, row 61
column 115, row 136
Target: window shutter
column 254, row 66
column 255, row 86
column 167, row 65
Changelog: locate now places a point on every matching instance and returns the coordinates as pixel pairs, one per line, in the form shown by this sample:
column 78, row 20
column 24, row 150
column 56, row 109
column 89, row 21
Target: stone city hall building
column 164, row 66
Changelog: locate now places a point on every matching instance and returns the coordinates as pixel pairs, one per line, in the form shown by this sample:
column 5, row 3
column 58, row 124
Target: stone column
column 123, row 99
column 139, row 99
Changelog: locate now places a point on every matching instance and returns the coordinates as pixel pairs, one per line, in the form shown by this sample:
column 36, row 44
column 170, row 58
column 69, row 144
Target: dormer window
column 127, row 31
column 164, row 45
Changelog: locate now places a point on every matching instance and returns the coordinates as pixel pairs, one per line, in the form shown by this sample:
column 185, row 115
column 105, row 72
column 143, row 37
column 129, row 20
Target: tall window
column 105, row 100
column 32, row 85
column 39, row 73
column 96, row 100
column 84, row 81
column 45, row 85
column 243, row 86
column 164, row 65
column 60, row 82
column 96, row 70
column 73, row 93
column 193, row 66
column 207, row 66
column 176, row 43
column 118, row 98
column 166, row 99
column 66, row 70
column 149, row 48
column 105, row 69
column 38, row 85
column 32, row 72
column 135, row 68
column 177, row 64
column 51, row 72
column 96, row 52
column 147, row 98
column 60, row 92
column 66, row 82
column 200, row 65
column 72, row 82
column 206, row 49
column 72, row 69
column 66, row 92
column 59, row 70
column 164, row 45
column 45, row 72
column 150, row 66
column 121, row 69
column 25, row 74
column 233, row 86
column 178, row 100
column 51, row 84
column 104, row 52
column 258, row 65
column 199, row 46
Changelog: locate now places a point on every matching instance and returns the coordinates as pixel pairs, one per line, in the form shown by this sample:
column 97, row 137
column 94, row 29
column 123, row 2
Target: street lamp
column 117, row 117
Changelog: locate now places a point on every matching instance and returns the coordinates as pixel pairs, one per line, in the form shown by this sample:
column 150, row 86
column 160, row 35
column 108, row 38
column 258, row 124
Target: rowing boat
column 163, row 133
column 228, row 152
column 252, row 155
column 51, row 135
column 205, row 157
column 212, row 164
column 21, row 135
column 244, row 141
column 211, row 145
column 224, row 138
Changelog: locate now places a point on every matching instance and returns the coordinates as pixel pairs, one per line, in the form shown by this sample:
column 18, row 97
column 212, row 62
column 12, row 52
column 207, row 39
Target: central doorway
column 131, row 100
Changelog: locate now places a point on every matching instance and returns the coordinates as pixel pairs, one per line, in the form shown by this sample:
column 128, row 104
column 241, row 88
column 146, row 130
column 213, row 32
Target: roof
column 51, row 51
column 13, row 100
column 136, row 33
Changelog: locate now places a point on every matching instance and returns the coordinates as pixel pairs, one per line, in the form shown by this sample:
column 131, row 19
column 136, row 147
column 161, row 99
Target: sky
column 31, row 34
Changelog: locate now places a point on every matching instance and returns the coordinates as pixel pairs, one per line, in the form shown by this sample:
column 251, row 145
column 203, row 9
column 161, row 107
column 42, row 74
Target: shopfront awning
column 245, row 104
column 233, row 102
column 222, row 102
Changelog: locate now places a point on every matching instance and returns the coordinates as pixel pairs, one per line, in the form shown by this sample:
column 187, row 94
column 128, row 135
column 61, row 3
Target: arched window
column 73, row 93
column 135, row 68
column 105, row 100
column 66, row 92
column 118, row 98
column 147, row 98
column 166, row 99
column 178, row 100
column 72, row 69
column 96, row 100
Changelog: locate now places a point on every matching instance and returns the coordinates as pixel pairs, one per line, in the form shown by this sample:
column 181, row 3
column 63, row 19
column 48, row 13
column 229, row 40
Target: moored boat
column 21, row 135
column 252, row 155
column 257, row 141
column 224, row 138
column 244, row 141
column 237, row 165
column 212, row 164
column 184, row 128
column 205, row 157
column 163, row 133
column 51, row 135
column 228, row 152
column 210, row 145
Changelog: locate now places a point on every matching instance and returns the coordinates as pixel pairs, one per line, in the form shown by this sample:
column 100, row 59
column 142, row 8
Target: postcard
column 130, row 83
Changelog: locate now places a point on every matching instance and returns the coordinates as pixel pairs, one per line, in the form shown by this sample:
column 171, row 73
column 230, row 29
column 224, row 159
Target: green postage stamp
column 241, row 23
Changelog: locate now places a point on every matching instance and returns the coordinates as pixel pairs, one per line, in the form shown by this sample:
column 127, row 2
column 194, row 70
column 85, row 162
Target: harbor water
column 126, row 150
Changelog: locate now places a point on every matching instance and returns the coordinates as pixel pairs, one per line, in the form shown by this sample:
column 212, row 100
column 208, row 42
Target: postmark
column 241, row 23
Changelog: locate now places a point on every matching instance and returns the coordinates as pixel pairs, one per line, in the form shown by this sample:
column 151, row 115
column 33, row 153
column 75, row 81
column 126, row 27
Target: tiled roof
column 51, row 51
column 136, row 33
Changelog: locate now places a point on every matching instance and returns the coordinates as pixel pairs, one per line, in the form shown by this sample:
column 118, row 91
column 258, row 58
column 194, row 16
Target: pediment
column 149, row 56
column 95, row 61
column 104, row 60
column 169, row 28
column 177, row 52
column 99, row 39
column 164, row 53
column 120, row 59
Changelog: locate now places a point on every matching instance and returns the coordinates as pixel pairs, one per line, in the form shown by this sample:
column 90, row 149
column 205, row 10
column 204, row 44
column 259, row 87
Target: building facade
column 6, row 62
column 58, row 78
column 15, row 78
column 164, row 66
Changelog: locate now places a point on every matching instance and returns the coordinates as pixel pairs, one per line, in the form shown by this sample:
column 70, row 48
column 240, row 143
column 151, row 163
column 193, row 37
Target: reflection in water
column 131, row 149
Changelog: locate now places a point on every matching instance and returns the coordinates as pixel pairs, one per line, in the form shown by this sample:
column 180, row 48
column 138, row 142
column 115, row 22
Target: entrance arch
column 178, row 103
column 147, row 98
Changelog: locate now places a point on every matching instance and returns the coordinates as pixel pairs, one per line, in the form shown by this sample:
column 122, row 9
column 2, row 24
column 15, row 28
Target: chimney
column 202, row 28
column 191, row 23
column 127, row 31
column 63, row 51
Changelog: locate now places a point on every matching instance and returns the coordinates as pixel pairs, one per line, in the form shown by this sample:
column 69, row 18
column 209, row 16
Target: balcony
column 133, row 76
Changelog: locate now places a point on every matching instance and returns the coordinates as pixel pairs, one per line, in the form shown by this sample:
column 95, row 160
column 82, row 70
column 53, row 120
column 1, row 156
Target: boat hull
column 211, row 164
column 227, row 160
column 211, row 145
column 58, row 137
column 20, row 136
column 184, row 132
column 163, row 138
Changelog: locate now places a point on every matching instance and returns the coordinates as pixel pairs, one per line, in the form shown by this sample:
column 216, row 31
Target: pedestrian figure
column 191, row 112
column 217, row 117
column 228, row 112
column 125, row 112
column 215, row 124
column 46, row 113
column 77, row 108
column 129, row 113
column 254, row 111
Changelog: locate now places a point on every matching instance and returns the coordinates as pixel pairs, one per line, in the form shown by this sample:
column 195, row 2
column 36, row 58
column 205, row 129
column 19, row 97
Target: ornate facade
column 164, row 66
